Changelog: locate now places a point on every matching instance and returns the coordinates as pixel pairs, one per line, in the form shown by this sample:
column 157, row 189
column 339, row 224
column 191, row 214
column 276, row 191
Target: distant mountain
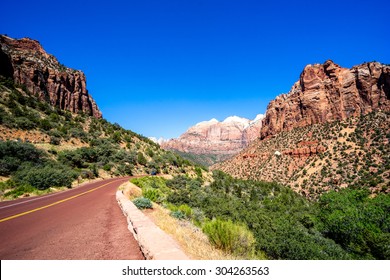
column 213, row 140
column 27, row 63
column 332, row 130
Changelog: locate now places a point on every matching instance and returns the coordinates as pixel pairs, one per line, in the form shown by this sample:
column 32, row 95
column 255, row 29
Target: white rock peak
column 159, row 140
column 212, row 121
column 233, row 119
column 259, row 117
column 236, row 120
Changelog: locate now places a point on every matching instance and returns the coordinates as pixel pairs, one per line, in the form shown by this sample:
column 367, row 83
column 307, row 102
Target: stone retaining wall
column 154, row 243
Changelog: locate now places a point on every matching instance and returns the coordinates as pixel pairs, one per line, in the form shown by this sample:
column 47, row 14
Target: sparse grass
column 231, row 237
column 25, row 191
column 130, row 190
column 191, row 239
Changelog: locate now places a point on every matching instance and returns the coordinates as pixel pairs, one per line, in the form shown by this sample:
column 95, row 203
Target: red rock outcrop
column 328, row 92
column 218, row 138
column 27, row 63
column 305, row 152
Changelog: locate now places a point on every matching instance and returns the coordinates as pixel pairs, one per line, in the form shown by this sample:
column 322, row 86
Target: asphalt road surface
column 84, row 223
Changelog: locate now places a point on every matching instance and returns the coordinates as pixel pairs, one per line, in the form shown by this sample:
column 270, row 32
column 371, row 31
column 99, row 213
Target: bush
column 153, row 194
column 170, row 206
column 125, row 169
column 357, row 222
column 13, row 154
column 142, row 203
column 55, row 140
column 152, row 187
column 178, row 215
column 107, row 167
column 141, row 158
column 24, row 123
column 186, row 210
column 18, row 191
column 197, row 216
column 234, row 238
column 44, row 177
column 181, row 212
column 150, row 182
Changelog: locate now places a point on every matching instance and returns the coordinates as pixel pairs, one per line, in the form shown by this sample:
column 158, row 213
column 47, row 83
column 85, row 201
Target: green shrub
column 234, row 238
column 142, row 203
column 357, row 222
column 13, row 154
column 18, row 191
column 198, row 216
column 186, row 210
column 154, row 195
column 45, row 124
column 178, row 215
column 24, row 123
column 149, row 182
column 107, row 167
column 170, row 206
column 44, row 177
column 125, row 169
column 153, row 187
column 141, row 159
column 55, row 140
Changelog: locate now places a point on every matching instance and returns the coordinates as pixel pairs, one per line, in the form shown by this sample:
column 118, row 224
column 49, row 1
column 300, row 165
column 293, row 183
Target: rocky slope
column 328, row 92
column 218, row 140
column 331, row 130
column 40, row 134
column 27, row 64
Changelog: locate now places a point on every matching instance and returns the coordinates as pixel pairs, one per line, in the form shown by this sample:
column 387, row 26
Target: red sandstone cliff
column 328, row 92
column 27, row 63
column 303, row 144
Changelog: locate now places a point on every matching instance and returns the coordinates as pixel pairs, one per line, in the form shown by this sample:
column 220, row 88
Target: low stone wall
column 154, row 243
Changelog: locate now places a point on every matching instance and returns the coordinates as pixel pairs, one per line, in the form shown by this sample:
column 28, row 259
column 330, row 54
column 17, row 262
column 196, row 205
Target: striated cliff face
column 27, row 63
column 328, row 92
column 330, row 131
column 218, row 138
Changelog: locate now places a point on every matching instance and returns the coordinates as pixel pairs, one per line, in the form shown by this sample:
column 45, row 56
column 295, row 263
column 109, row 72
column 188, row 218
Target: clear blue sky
column 158, row 67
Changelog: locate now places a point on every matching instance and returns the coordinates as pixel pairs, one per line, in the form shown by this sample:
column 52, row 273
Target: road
column 84, row 223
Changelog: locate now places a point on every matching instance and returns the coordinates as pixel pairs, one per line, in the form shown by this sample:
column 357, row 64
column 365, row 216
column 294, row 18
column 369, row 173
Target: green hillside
column 39, row 142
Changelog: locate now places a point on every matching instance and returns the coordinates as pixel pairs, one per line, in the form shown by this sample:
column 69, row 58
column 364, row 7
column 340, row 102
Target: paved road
column 82, row 223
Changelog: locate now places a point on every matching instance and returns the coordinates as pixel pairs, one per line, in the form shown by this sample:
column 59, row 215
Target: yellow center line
column 52, row 204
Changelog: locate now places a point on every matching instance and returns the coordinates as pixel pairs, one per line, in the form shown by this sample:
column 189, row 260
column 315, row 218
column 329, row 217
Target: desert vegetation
column 252, row 219
column 42, row 146
column 315, row 159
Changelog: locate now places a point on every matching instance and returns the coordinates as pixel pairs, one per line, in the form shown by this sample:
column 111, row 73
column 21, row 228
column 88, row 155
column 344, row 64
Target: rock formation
column 330, row 131
column 328, row 92
column 218, row 138
column 27, row 63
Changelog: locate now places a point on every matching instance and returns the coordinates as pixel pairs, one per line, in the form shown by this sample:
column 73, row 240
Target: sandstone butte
column 327, row 92
column 27, row 63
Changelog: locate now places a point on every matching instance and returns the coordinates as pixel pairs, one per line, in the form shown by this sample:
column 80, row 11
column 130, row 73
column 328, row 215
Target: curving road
column 82, row 223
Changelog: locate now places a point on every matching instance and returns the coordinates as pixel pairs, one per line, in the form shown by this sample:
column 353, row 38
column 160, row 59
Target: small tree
column 141, row 158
